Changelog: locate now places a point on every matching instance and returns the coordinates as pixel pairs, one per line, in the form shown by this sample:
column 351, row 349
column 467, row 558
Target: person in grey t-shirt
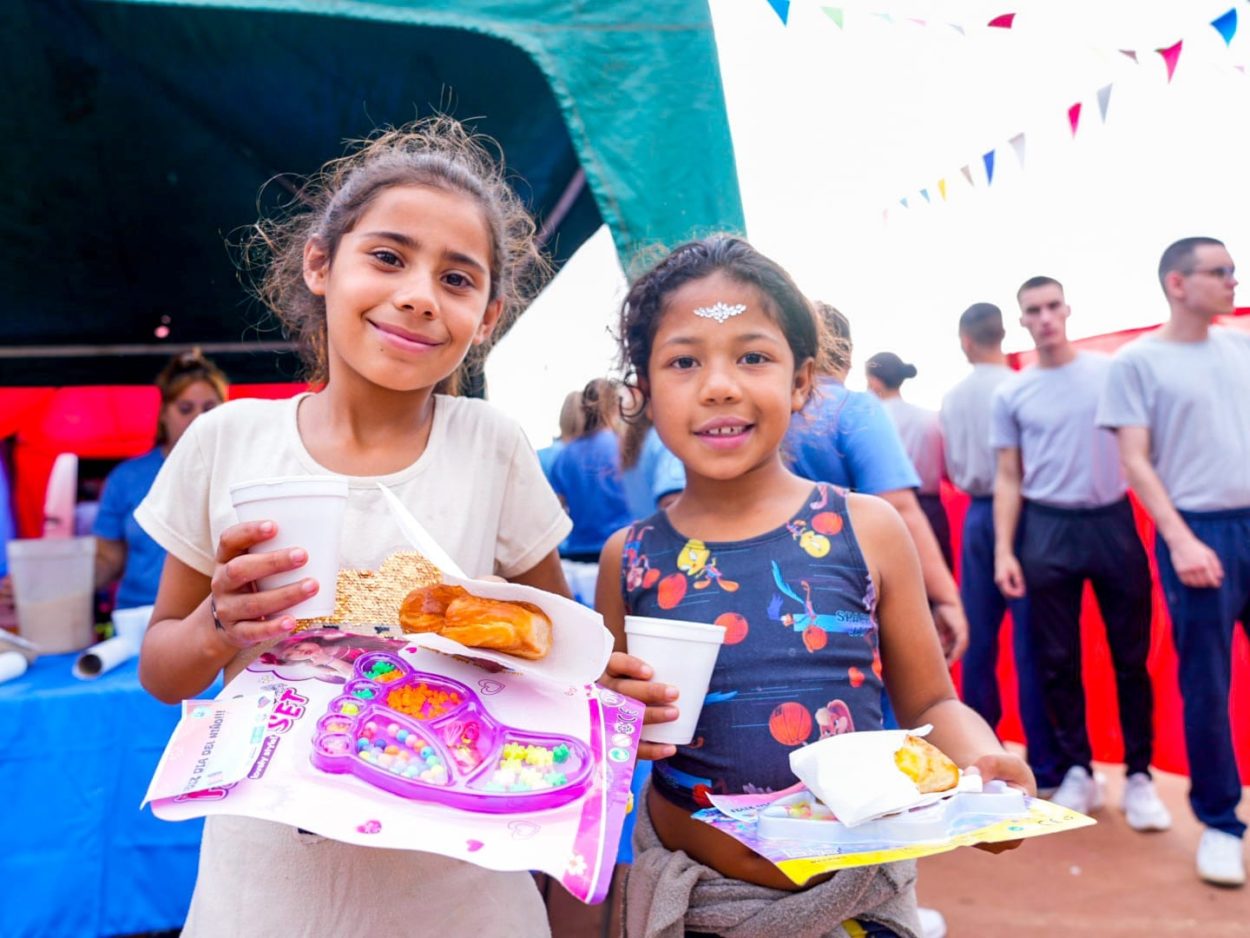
column 1059, row 480
column 965, row 424
column 921, row 434
column 1179, row 401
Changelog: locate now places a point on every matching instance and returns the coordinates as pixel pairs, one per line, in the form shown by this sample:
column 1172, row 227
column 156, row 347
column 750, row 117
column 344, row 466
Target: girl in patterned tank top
column 819, row 591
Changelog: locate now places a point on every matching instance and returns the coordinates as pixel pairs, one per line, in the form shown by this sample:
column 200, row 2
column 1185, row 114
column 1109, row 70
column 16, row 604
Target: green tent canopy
column 137, row 136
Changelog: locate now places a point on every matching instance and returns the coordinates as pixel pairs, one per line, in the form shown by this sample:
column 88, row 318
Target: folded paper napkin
column 856, row 776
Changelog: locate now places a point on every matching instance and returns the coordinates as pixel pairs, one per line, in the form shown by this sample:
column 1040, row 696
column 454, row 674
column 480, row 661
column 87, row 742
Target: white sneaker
column 932, row 924
column 1220, row 860
column 1141, row 805
column 1079, row 791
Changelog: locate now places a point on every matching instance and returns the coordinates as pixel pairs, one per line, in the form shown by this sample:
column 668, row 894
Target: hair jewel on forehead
column 720, row 311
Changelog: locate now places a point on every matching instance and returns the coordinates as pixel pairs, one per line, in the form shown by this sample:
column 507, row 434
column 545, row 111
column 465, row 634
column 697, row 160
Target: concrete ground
column 1106, row 880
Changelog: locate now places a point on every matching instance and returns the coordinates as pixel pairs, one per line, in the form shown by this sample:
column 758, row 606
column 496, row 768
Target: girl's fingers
column 249, row 633
column 656, row 750
column 659, row 715
column 647, row 692
column 240, row 608
column 622, row 664
column 238, row 572
column 240, row 538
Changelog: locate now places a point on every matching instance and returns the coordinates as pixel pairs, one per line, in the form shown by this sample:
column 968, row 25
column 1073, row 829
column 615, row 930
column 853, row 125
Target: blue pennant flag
column 781, row 8
column 1226, row 25
column 988, row 159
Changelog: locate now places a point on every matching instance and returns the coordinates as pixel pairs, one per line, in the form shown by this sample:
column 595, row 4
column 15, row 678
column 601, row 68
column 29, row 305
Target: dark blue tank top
column 800, row 659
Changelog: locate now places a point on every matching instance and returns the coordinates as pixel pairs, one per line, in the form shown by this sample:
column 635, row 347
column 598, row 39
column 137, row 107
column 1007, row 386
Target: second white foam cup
column 682, row 654
column 308, row 511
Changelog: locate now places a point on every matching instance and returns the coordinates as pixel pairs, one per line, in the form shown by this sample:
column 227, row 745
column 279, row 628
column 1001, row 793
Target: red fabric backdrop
column 93, row 422
column 1102, row 713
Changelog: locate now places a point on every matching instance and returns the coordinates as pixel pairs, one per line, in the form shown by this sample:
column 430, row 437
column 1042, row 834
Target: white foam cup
column 682, row 654
column 131, row 624
column 308, row 511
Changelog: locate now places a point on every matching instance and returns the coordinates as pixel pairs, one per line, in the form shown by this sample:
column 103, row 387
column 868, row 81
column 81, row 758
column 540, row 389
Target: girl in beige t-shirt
column 409, row 253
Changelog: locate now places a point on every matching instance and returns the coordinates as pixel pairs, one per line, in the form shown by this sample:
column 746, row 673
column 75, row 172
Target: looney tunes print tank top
column 800, row 660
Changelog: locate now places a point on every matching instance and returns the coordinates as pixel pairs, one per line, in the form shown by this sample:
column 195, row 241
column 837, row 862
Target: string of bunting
column 1225, row 24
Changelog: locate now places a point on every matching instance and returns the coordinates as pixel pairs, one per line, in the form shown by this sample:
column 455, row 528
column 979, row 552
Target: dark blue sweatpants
column 985, row 606
column 1202, row 628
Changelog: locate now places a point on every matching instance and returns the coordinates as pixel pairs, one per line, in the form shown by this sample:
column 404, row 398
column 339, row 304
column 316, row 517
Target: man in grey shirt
column 1059, row 479
column 1179, row 401
column 965, row 423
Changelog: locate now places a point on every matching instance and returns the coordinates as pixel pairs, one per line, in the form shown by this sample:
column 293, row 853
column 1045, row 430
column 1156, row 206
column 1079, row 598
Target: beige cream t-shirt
column 478, row 488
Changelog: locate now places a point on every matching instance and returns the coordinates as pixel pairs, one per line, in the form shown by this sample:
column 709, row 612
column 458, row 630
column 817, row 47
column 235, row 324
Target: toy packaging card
column 358, row 731
column 801, row 836
column 400, row 746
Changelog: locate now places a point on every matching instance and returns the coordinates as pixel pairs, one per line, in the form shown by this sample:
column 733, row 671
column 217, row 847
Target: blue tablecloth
column 77, row 856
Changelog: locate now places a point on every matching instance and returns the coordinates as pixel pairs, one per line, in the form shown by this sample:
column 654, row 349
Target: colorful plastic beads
column 409, row 757
column 422, row 702
column 528, row 768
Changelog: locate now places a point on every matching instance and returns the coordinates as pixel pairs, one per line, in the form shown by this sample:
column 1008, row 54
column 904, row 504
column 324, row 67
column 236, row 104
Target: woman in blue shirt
column 190, row 385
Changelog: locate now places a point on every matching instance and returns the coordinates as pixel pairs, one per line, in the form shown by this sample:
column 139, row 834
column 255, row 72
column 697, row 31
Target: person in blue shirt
column 653, row 476
column 586, row 475
column 570, row 427
column 847, row 438
column 190, row 385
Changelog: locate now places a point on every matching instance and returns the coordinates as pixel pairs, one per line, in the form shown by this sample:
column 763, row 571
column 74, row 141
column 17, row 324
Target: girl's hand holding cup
column 632, row 677
column 243, row 613
column 1010, row 768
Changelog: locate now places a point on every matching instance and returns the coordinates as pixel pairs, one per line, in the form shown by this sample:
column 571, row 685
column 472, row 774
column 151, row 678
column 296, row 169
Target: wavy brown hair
column 436, row 152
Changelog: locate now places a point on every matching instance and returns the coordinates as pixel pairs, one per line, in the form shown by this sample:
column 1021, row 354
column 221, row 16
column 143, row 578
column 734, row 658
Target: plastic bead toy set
column 424, row 736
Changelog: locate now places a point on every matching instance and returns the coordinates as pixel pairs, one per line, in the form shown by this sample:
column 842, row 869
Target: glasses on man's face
column 1219, row 273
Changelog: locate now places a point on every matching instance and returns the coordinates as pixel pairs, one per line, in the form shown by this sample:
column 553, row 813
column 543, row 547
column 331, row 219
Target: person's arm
column 917, row 679
column 1007, row 501
column 547, row 575
column 626, row 674
column 939, row 584
column 184, row 649
column 110, row 560
column 1196, row 564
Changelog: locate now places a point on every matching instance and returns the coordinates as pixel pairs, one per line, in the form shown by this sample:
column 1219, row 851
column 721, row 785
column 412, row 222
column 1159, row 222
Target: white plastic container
column 53, row 584
column 961, row 811
column 682, row 654
column 308, row 511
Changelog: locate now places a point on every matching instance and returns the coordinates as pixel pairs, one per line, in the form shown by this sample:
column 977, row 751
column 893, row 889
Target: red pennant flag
column 1171, row 55
column 1004, row 21
column 1074, row 116
column 1130, row 53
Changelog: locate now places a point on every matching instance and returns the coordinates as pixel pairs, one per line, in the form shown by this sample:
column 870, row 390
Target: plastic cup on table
column 308, row 511
column 682, row 654
column 53, row 582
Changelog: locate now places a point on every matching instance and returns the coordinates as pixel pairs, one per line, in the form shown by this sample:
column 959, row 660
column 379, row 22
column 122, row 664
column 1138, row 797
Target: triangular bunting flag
column 1104, row 100
column 959, row 29
column 967, row 171
column 1226, row 25
column 903, row 201
column 1074, row 117
column 1017, row 142
column 1002, row 22
column 781, row 8
column 1171, row 55
column 918, row 22
column 942, row 189
column 885, row 16
column 925, row 193
column 1130, row 53
column 988, row 159
column 835, row 14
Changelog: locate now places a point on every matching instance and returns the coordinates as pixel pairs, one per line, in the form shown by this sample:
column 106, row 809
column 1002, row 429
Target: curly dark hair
column 436, row 152
column 644, row 307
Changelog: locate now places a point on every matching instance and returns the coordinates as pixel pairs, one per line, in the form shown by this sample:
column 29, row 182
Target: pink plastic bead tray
column 425, row 736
